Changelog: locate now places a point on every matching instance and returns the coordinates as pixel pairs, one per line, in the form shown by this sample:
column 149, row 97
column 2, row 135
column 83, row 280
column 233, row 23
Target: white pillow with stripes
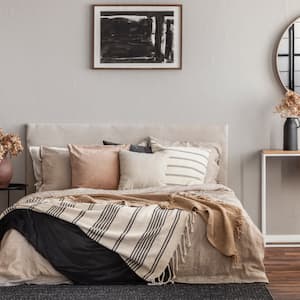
column 185, row 165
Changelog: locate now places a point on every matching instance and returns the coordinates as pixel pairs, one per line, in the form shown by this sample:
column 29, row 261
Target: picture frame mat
column 176, row 8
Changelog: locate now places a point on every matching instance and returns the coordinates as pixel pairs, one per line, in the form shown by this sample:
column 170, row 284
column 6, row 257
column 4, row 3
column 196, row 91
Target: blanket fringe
column 169, row 274
column 238, row 228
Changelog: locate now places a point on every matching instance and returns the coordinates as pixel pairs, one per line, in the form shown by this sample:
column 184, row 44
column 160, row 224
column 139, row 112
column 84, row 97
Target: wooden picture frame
column 135, row 36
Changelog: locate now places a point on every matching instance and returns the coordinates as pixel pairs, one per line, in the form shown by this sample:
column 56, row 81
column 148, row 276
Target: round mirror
column 288, row 57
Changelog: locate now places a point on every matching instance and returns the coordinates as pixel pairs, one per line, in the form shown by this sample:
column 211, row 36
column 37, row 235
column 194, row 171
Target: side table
column 14, row 187
column 274, row 240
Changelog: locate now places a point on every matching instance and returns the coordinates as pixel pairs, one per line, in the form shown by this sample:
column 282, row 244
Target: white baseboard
column 280, row 240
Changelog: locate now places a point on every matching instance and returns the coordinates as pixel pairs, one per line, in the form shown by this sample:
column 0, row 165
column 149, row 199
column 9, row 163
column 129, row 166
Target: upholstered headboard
column 63, row 134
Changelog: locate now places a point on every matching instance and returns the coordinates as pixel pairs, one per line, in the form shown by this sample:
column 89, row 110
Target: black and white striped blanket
column 149, row 239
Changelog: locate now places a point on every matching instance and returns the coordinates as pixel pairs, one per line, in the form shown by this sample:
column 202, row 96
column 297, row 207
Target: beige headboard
column 63, row 134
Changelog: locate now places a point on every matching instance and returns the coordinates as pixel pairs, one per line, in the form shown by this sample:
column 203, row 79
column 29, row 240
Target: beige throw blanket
column 223, row 220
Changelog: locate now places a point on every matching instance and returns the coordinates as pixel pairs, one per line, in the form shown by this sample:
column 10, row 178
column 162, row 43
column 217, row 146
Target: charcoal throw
column 148, row 238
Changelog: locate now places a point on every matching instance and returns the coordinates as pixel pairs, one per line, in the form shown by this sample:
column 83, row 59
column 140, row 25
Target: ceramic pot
column 6, row 172
column 290, row 134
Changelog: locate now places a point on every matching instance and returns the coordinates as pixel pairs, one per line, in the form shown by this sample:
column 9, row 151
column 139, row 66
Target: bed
column 59, row 252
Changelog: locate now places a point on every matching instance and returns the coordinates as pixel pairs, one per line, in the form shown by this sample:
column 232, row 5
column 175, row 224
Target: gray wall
column 227, row 76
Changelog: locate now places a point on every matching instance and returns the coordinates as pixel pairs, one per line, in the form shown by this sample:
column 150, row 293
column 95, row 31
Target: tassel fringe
column 169, row 274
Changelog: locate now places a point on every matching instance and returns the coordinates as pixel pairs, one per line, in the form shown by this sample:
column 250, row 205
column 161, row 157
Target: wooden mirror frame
column 277, row 54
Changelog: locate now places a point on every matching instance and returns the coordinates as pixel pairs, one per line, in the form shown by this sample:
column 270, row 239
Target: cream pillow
column 141, row 170
column 35, row 153
column 185, row 165
column 213, row 166
column 56, row 169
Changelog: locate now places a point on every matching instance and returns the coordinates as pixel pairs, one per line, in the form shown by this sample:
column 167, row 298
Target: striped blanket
column 150, row 239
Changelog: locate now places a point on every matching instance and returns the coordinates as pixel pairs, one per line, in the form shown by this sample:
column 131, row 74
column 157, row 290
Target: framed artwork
column 137, row 36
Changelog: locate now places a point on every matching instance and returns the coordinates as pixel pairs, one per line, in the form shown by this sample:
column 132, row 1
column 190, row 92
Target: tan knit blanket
column 224, row 221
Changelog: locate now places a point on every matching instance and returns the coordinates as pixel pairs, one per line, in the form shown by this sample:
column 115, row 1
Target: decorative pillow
column 56, row 169
column 108, row 143
column 214, row 157
column 141, row 170
column 96, row 167
column 35, row 153
column 141, row 148
column 185, row 165
column 36, row 156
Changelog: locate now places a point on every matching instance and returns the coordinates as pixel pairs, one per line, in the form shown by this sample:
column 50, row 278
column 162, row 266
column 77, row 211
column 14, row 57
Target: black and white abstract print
column 137, row 36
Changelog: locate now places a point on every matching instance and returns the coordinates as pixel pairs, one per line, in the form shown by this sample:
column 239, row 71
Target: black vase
column 290, row 135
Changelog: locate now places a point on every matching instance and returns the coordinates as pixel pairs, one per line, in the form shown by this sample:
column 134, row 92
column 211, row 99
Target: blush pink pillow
column 95, row 167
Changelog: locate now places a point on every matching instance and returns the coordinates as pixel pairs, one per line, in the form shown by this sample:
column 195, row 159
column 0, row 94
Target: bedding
column 141, row 170
column 56, row 168
column 56, row 162
column 142, row 147
column 83, row 261
column 200, row 261
column 185, row 165
column 36, row 165
column 213, row 165
column 95, row 167
column 52, row 167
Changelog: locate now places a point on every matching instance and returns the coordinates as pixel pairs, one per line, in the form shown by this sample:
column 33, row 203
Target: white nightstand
column 273, row 240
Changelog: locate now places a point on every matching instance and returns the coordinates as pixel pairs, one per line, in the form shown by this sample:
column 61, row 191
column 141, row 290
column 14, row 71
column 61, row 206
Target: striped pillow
column 185, row 165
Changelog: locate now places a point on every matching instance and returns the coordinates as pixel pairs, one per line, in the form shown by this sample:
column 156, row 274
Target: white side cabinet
column 273, row 240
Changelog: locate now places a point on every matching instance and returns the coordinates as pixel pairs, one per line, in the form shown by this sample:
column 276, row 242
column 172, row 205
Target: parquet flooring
column 283, row 270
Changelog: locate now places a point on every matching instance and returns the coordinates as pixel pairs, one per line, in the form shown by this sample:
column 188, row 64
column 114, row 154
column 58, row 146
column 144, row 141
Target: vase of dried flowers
column 10, row 145
column 289, row 108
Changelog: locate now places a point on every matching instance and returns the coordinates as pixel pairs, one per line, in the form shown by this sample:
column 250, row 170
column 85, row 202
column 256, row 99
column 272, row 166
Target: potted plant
column 289, row 108
column 10, row 145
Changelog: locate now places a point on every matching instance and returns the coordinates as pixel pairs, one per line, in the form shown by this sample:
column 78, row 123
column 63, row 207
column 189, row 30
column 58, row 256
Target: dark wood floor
column 283, row 270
